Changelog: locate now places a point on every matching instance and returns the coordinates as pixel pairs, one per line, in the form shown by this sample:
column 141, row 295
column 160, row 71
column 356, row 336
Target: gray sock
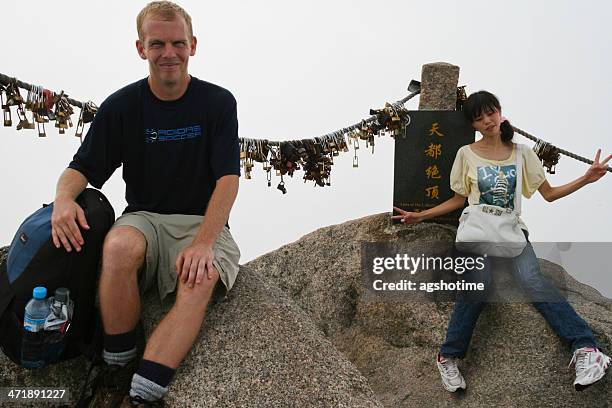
column 147, row 389
column 120, row 359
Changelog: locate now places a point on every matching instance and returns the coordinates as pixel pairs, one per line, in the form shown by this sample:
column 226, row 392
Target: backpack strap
column 518, row 191
column 6, row 293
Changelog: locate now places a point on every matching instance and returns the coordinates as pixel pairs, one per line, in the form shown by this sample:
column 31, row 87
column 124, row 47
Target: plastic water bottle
column 36, row 310
column 32, row 344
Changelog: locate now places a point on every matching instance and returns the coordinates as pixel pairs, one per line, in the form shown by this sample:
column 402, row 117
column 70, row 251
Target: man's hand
column 194, row 263
column 64, row 228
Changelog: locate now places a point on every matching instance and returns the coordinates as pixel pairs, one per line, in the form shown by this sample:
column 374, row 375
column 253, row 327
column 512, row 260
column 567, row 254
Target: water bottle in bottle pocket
column 32, row 346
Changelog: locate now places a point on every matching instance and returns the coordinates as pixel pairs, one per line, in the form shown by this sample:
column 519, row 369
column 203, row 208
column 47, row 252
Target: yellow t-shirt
column 493, row 182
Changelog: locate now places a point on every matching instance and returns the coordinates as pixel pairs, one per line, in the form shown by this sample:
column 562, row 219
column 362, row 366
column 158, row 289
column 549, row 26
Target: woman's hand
column 597, row 169
column 407, row 217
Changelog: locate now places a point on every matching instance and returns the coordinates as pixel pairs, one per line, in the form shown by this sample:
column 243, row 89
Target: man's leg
column 122, row 256
column 172, row 339
column 176, row 333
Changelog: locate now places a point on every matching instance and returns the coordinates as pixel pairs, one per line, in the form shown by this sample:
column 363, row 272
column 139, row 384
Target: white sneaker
column 451, row 376
column 591, row 366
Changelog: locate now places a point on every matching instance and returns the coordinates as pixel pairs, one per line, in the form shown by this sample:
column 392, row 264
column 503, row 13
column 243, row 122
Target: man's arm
column 66, row 212
column 196, row 260
column 218, row 210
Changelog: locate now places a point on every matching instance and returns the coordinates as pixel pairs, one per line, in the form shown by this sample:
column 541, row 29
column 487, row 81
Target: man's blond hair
column 162, row 10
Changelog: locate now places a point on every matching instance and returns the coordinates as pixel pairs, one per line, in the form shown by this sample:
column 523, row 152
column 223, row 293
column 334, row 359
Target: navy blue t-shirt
column 172, row 152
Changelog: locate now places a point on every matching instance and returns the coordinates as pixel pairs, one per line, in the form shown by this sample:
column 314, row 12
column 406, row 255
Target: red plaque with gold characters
column 424, row 158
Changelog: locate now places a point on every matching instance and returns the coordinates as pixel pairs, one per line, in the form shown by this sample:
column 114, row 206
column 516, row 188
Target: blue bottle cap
column 39, row 292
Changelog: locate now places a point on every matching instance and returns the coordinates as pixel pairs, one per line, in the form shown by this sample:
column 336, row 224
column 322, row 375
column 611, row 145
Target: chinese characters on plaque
column 424, row 158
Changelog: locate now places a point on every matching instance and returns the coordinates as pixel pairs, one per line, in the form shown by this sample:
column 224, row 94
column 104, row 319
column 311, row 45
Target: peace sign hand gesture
column 597, row 169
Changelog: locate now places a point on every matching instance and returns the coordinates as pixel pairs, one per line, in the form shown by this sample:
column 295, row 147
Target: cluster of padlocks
column 316, row 156
column 45, row 106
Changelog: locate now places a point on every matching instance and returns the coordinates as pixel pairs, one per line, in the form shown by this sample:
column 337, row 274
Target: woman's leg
column 468, row 305
column 559, row 314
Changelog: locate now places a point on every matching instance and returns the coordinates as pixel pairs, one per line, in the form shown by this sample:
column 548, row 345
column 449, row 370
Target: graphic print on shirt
column 497, row 185
column 171, row 135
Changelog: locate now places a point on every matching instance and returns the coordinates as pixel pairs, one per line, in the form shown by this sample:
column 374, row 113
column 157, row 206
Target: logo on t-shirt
column 171, row 135
column 497, row 185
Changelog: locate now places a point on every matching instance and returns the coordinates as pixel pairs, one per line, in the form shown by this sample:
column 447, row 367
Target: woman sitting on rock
column 484, row 172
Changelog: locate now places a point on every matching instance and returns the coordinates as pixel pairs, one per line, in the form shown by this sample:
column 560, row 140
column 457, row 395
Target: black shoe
column 138, row 402
column 111, row 384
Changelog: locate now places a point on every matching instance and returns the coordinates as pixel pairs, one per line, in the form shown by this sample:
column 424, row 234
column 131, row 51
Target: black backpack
column 33, row 260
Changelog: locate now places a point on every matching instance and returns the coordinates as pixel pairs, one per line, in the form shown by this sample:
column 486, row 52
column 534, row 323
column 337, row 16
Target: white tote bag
column 493, row 230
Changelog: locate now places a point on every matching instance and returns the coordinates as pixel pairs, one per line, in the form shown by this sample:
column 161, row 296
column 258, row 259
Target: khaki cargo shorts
column 169, row 234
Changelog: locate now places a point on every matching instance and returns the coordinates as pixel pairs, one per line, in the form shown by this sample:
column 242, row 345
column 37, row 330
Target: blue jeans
column 559, row 314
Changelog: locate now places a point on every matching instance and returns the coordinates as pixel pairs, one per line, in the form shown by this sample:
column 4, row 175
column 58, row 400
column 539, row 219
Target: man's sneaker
column 591, row 366
column 111, row 384
column 137, row 402
column 451, row 376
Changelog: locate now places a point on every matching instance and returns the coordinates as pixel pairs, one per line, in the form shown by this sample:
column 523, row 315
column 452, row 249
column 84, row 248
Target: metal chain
column 5, row 80
column 358, row 125
column 562, row 151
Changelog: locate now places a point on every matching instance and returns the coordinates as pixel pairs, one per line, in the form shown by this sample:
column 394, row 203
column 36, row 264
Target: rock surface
column 300, row 330
column 514, row 360
column 258, row 349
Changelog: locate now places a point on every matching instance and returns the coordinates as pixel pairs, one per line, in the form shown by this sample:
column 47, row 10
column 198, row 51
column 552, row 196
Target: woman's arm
column 594, row 173
column 454, row 203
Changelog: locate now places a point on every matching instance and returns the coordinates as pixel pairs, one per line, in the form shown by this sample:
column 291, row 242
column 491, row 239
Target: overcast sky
column 304, row 69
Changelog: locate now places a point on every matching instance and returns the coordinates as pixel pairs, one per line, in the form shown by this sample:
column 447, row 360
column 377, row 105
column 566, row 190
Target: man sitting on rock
column 177, row 139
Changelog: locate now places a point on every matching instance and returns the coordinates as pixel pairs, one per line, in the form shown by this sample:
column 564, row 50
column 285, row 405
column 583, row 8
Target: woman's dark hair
column 485, row 102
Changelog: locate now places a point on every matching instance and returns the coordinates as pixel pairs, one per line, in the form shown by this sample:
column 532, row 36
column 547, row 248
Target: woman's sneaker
column 591, row 366
column 451, row 376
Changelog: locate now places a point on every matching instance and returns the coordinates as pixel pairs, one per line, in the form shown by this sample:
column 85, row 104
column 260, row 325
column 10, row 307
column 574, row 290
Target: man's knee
column 200, row 294
column 124, row 246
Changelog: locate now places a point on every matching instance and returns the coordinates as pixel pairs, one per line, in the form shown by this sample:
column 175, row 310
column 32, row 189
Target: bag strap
column 93, row 352
column 518, row 191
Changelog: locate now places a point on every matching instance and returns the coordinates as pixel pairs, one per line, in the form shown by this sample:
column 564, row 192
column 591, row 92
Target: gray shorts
column 169, row 234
